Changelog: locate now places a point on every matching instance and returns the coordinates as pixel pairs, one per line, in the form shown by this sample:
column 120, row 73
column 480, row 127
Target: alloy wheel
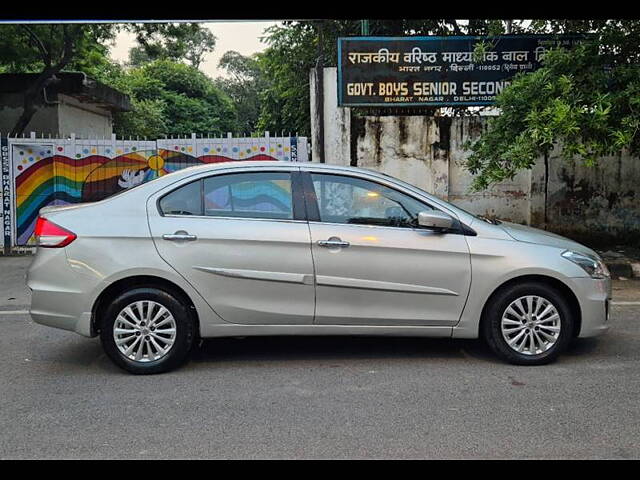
column 144, row 331
column 531, row 325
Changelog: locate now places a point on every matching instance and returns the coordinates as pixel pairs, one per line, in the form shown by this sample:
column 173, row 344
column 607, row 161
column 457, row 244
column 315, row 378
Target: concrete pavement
column 323, row 397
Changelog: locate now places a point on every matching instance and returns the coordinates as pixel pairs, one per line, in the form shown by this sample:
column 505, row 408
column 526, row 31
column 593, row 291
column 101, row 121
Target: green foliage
column 147, row 120
column 167, row 97
column 294, row 48
column 17, row 55
column 138, row 56
column 198, row 45
column 171, row 41
column 47, row 50
column 29, row 48
column 285, row 64
column 584, row 102
column 175, row 99
column 243, row 85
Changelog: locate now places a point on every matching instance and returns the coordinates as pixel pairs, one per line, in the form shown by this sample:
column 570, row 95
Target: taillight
column 50, row 235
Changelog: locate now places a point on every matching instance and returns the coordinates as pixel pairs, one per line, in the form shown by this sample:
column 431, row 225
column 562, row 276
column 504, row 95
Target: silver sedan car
column 274, row 248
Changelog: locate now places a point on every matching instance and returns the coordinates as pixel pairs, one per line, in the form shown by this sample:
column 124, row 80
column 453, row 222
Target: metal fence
column 38, row 171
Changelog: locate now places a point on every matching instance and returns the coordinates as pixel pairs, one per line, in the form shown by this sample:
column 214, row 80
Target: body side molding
column 303, row 278
column 378, row 285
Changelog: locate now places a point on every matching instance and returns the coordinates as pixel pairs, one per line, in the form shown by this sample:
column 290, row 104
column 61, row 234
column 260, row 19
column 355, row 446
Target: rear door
column 241, row 239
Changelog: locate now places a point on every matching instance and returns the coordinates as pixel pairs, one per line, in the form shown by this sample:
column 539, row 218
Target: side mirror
column 435, row 220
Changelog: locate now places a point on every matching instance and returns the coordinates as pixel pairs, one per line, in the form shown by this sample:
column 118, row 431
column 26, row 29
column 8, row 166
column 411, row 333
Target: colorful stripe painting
column 57, row 179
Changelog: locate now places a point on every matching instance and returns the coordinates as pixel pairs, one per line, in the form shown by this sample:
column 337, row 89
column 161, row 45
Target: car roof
column 266, row 164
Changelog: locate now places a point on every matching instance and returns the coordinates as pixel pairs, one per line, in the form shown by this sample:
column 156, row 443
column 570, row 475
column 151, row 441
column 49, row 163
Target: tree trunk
column 46, row 76
column 30, row 97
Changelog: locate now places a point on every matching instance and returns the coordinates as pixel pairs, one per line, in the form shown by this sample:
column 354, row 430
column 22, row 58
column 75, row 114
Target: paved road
column 323, row 397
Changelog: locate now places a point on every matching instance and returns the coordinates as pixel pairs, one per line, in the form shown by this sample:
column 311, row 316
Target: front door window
column 351, row 200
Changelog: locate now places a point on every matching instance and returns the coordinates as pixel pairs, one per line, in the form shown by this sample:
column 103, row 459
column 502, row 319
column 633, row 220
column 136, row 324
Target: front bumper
column 594, row 296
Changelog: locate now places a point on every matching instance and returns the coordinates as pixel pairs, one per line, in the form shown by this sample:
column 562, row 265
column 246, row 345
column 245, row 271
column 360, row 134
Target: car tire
column 541, row 340
column 168, row 340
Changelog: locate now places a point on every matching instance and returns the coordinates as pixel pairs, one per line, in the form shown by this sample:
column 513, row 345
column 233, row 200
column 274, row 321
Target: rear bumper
column 58, row 294
column 594, row 296
column 46, row 315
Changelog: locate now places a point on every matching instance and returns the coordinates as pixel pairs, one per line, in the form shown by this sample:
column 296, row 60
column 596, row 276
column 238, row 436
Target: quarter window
column 186, row 200
column 343, row 199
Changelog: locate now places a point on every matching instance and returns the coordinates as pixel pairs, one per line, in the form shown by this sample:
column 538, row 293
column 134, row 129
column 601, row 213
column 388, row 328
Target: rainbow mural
column 50, row 175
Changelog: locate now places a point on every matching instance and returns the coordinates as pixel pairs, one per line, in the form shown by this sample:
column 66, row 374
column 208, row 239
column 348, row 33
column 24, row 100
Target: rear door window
column 249, row 195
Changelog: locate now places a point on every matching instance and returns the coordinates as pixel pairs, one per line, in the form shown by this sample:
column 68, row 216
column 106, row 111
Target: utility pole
column 319, row 93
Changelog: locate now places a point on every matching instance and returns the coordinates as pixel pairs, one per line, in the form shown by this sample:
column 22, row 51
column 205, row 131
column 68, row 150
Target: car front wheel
column 147, row 330
column 528, row 324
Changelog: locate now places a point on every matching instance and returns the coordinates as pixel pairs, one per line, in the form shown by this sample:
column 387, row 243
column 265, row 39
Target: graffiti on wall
column 66, row 173
column 6, row 191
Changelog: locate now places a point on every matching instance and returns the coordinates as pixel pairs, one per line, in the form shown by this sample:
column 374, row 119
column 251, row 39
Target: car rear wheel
column 147, row 330
column 528, row 324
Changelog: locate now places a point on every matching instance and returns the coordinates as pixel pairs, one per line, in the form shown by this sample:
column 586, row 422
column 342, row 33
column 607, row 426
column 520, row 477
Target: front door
column 242, row 242
column 374, row 266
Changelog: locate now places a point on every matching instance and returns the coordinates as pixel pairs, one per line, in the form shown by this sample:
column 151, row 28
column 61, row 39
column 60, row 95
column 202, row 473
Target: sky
column 241, row 36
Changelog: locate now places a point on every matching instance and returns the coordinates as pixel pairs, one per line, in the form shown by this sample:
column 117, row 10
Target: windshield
column 492, row 221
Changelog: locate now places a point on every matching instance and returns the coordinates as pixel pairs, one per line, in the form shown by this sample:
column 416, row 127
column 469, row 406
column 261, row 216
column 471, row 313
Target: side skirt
column 232, row 330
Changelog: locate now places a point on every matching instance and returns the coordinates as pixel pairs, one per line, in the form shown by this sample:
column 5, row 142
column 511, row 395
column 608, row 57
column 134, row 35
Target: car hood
column 522, row 233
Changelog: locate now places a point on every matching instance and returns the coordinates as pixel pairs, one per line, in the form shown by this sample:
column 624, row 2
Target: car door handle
column 180, row 235
column 333, row 242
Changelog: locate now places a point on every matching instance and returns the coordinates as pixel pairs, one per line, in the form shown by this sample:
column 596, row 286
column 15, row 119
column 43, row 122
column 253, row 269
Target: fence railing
column 39, row 171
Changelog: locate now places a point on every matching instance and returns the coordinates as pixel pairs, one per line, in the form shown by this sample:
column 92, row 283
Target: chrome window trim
column 364, row 225
column 224, row 171
column 220, row 217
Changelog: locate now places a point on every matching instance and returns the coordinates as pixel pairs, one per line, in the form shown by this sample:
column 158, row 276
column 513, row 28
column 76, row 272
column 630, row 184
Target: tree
column 198, row 45
column 584, row 102
column 174, row 99
column 291, row 53
column 294, row 48
column 147, row 119
column 46, row 50
column 244, row 84
column 171, row 41
column 167, row 97
column 138, row 56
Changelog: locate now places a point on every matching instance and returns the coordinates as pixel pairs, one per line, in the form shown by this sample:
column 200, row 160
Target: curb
column 624, row 269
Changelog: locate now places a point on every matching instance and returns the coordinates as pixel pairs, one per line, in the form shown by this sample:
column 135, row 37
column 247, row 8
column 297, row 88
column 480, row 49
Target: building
column 74, row 103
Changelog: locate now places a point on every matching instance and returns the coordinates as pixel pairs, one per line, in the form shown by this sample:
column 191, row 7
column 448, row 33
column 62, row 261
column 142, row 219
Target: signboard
column 436, row 71
column 6, row 192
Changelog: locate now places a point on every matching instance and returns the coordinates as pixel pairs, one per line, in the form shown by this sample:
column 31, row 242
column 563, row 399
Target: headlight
column 595, row 267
